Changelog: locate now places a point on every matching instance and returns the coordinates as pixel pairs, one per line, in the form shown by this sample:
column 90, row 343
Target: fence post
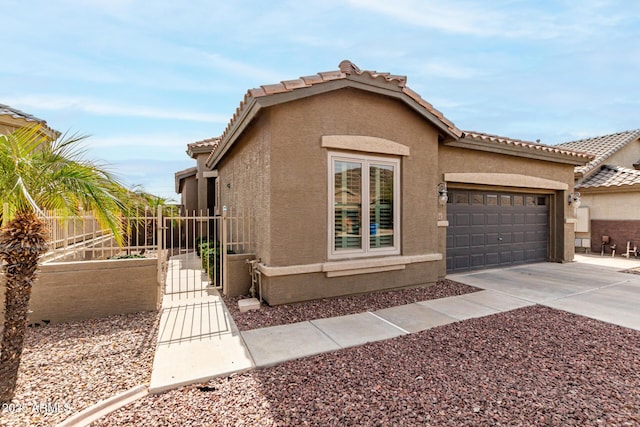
column 159, row 245
column 223, row 246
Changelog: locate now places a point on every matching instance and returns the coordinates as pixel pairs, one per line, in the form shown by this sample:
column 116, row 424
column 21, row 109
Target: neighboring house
column 344, row 173
column 609, row 186
column 196, row 185
column 12, row 119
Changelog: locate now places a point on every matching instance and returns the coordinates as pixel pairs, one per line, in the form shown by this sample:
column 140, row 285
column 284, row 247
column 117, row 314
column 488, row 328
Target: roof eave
column 528, row 152
column 597, row 189
column 183, row 174
column 194, row 151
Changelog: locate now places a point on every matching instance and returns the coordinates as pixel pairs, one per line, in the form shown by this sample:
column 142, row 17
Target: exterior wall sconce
column 442, row 194
column 574, row 199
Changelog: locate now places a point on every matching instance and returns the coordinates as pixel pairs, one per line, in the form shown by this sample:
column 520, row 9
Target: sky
column 145, row 78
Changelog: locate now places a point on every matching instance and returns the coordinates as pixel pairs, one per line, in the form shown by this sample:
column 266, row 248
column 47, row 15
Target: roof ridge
column 346, row 69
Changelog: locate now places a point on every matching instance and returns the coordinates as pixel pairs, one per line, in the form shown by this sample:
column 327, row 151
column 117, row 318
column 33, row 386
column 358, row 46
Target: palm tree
column 37, row 174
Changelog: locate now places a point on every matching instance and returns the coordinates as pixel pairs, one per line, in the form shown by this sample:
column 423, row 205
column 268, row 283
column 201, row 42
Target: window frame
column 366, row 161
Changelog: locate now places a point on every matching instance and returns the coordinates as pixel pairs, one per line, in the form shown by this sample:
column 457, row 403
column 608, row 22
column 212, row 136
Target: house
column 355, row 184
column 609, row 188
column 12, row 119
column 196, row 185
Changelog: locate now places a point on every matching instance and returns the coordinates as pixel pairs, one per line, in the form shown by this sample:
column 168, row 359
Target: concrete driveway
column 593, row 286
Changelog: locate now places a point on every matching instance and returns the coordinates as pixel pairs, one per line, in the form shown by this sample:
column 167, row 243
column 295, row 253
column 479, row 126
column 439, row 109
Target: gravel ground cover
column 68, row 367
column 331, row 307
column 531, row 366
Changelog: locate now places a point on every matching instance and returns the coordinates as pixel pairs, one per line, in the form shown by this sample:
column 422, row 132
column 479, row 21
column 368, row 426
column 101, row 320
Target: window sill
column 351, row 267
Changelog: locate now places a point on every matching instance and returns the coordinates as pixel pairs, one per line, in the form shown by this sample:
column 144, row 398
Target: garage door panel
column 505, row 257
column 477, row 240
column 461, row 262
column 492, row 258
column 477, row 260
column 462, row 241
column 478, row 219
column 493, row 231
column 506, row 218
column 461, row 219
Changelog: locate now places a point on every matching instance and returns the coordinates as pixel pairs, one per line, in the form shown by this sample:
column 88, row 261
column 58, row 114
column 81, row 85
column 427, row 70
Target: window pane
column 348, row 205
column 462, row 198
column 381, row 206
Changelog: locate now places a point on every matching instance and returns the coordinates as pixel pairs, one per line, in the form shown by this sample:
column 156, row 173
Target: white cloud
column 106, row 108
column 500, row 19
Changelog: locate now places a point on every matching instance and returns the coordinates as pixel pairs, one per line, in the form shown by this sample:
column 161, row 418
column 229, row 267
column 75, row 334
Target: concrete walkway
column 199, row 340
column 197, row 337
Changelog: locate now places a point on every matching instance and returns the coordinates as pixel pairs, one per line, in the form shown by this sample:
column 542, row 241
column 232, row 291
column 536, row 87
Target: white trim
column 355, row 272
column 368, row 144
column 366, row 161
column 348, row 267
column 570, row 220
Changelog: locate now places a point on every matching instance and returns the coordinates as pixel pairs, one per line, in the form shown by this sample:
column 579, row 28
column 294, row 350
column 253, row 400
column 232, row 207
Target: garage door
column 494, row 229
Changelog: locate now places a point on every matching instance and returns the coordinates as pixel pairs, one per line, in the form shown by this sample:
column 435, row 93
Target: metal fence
column 198, row 241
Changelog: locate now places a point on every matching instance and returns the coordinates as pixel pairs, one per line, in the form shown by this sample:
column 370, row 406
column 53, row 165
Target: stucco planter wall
column 239, row 278
column 90, row 289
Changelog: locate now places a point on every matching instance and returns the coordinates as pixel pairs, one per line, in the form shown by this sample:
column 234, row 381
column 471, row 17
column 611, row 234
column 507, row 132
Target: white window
column 364, row 214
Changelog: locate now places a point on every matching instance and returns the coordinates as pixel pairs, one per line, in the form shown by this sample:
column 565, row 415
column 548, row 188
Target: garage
column 496, row 229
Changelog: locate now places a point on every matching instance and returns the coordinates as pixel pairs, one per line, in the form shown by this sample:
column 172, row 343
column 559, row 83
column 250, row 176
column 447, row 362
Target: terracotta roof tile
column 332, row 75
column 611, row 176
column 602, row 147
column 294, row 84
column 346, row 69
column 312, row 80
column 204, row 146
column 274, row 88
column 479, row 136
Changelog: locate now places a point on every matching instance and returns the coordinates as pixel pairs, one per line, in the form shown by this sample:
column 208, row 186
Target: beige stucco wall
column 245, row 182
column 612, row 205
column 189, row 194
column 91, row 289
column 202, row 184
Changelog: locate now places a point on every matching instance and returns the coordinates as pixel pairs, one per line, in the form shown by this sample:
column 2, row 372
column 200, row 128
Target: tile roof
column 205, row 146
column 602, row 147
column 501, row 140
column 6, row 110
column 347, row 71
column 611, row 176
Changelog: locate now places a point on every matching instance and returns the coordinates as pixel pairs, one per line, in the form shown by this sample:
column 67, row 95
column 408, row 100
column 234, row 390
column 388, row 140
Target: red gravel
column 332, row 307
column 532, row 366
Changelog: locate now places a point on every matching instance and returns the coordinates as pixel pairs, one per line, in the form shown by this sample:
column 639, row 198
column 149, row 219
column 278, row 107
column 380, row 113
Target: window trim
column 366, row 161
